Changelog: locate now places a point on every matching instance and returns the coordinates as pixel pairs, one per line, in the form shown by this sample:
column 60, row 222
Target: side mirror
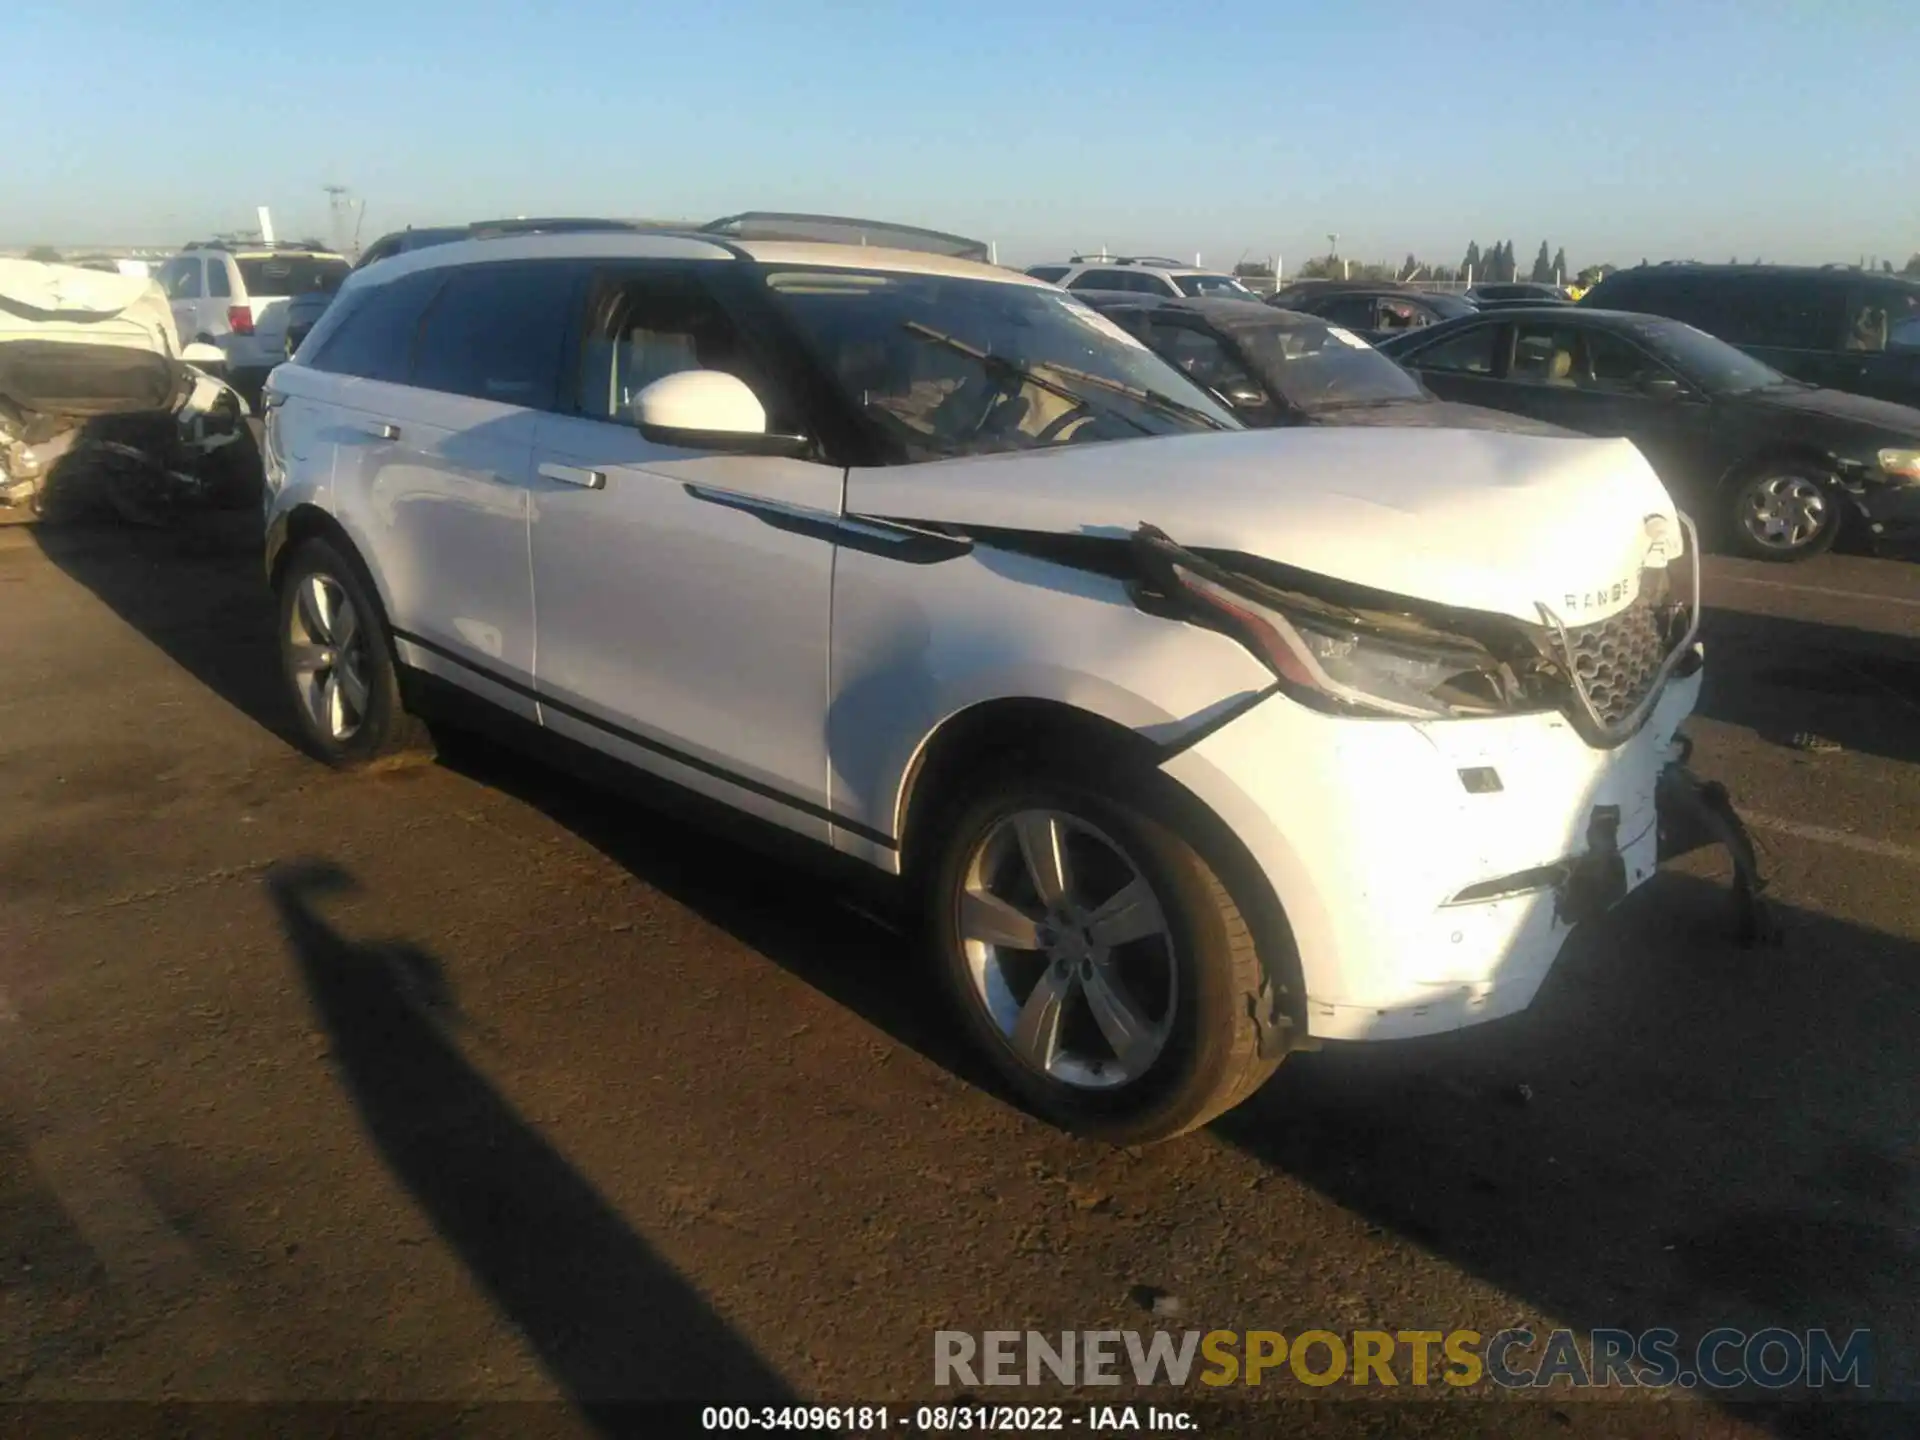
column 709, row 410
column 203, row 356
column 1661, row 387
column 1243, row 397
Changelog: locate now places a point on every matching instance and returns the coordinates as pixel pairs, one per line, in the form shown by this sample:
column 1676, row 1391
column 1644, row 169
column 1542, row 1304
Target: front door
column 683, row 596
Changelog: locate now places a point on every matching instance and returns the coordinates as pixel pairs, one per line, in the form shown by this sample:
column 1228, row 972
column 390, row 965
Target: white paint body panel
column 692, row 624
column 752, row 660
column 1480, row 519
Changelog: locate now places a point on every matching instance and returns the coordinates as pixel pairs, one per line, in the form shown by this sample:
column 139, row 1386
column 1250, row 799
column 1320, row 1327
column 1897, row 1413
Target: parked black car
column 1515, row 292
column 1843, row 328
column 1375, row 311
column 1772, row 464
column 1278, row 367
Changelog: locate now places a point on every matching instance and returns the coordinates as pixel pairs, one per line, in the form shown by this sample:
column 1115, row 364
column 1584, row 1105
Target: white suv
column 1141, row 275
column 1197, row 743
column 236, row 298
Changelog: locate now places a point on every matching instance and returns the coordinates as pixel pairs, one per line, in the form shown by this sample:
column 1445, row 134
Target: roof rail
column 556, row 225
column 844, row 230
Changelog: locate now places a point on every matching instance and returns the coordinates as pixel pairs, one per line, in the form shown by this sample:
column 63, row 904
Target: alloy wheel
column 1784, row 512
column 327, row 646
column 1069, row 949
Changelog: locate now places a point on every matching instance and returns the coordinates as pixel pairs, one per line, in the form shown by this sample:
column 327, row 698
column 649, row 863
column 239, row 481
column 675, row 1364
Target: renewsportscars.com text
column 1723, row 1359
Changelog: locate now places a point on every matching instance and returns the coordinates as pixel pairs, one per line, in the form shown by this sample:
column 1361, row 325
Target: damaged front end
column 1351, row 650
column 86, row 427
column 100, row 407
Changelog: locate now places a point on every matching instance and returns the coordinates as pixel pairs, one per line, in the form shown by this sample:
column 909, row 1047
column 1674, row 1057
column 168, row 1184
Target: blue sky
column 1701, row 128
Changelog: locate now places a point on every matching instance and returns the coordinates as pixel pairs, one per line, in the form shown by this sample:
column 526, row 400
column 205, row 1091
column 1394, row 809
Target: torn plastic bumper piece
column 1695, row 813
column 1596, row 881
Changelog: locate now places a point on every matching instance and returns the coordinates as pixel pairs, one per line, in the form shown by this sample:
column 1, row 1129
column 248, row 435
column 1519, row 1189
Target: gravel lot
column 460, row 1083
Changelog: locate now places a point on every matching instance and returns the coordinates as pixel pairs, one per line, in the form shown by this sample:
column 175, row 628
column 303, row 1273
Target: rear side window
column 1049, row 273
column 1104, row 280
column 180, row 277
column 1468, row 353
column 370, row 331
column 1354, row 311
column 1784, row 312
column 276, row 275
column 496, row 332
column 217, row 286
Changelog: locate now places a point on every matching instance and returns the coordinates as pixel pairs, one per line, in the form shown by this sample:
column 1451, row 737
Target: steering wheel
column 1051, row 431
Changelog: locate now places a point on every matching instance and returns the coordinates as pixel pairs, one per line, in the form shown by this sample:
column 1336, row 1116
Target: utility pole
column 339, row 208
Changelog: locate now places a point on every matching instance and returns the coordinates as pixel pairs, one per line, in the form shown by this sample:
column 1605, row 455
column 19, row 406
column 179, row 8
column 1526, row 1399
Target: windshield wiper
column 991, row 363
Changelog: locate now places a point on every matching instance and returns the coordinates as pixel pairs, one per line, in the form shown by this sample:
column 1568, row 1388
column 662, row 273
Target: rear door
column 184, row 280
column 1467, row 365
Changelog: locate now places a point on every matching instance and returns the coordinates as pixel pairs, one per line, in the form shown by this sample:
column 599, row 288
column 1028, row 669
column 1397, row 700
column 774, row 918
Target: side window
column 1049, row 273
column 1883, row 318
column 496, row 332
column 370, row 331
column 1542, row 354
column 645, row 328
column 1102, row 280
column 1700, row 300
column 217, row 284
column 1783, row 311
column 1398, row 315
column 1613, row 365
column 1471, row 352
column 1356, row 312
column 1201, row 356
column 180, row 277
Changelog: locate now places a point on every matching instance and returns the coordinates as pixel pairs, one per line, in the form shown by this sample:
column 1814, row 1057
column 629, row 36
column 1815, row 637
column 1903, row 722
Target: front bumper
column 1431, row 871
column 1892, row 511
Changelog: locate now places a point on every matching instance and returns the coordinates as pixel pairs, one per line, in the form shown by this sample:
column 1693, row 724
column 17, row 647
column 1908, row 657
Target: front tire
column 1783, row 511
column 336, row 660
column 1097, row 959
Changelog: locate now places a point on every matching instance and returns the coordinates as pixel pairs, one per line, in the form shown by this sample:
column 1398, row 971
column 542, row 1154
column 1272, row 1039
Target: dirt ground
column 461, row 1085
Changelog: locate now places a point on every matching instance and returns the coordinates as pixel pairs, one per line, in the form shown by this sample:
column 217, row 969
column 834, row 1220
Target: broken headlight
column 1348, row 666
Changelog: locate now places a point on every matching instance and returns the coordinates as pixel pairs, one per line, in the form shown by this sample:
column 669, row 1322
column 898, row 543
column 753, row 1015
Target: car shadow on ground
column 1784, row 678
column 611, row 1321
column 1680, row 1133
column 197, row 591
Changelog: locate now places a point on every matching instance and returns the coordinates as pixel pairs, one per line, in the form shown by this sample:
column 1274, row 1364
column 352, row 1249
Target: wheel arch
column 1085, row 743
column 308, row 521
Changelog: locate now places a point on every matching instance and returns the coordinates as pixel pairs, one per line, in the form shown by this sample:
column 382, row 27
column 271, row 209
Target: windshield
column 1319, row 366
column 947, row 366
column 1212, row 285
column 1715, row 366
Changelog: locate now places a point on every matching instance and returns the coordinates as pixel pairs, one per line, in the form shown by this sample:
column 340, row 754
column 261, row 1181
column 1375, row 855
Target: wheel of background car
column 1096, row 958
column 1783, row 510
column 336, row 659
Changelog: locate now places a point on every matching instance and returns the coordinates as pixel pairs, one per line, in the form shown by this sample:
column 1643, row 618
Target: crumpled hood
column 67, row 289
column 1479, row 519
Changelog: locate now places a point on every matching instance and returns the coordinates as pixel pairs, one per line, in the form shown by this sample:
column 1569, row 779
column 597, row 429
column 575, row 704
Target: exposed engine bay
column 100, row 408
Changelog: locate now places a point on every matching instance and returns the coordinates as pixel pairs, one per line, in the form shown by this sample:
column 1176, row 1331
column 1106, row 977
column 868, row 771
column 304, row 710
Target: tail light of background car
column 240, row 319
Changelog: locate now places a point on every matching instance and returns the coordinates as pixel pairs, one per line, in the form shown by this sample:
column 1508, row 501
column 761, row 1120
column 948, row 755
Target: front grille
column 1618, row 659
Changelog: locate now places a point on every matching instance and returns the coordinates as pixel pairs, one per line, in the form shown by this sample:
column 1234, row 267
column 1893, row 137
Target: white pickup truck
column 236, row 298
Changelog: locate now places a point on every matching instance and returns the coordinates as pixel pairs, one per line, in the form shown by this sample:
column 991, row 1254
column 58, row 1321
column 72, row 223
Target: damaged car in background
column 102, row 411
column 1193, row 745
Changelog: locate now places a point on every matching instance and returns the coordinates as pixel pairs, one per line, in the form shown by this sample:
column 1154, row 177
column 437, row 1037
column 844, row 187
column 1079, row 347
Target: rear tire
column 337, row 662
column 1129, row 1023
column 1782, row 511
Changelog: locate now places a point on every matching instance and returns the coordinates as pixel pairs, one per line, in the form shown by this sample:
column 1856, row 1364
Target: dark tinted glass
column 495, row 332
column 180, row 277
column 1787, row 312
column 1353, row 310
column 1468, row 353
column 1048, row 273
column 218, row 286
column 1104, row 280
column 276, row 275
column 370, row 331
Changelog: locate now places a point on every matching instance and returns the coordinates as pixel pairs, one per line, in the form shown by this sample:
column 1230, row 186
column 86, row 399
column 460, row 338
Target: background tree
column 45, row 254
column 1560, row 265
column 1913, row 263
column 1470, row 267
column 1509, row 267
column 1542, row 266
